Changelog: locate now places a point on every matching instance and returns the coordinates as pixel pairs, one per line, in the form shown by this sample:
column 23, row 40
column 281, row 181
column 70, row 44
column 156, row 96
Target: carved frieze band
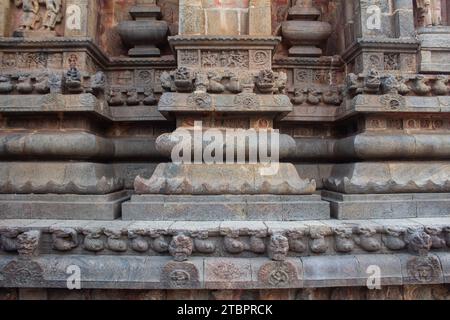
column 226, row 58
column 278, row 243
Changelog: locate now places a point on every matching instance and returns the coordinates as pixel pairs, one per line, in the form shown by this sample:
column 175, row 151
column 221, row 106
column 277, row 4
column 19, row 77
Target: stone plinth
column 107, row 272
column 82, row 178
column 387, row 206
column 70, row 207
column 232, row 179
column 390, row 177
column 226, row 207
column 435, row 53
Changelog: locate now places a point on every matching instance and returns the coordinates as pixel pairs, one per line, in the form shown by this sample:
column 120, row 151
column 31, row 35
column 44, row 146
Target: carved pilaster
column 403, row 18
column 192, row 20
column 259, row 17
column 4, row 16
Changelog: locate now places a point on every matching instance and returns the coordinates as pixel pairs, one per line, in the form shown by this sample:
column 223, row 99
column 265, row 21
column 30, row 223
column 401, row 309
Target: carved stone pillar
column 434, row 37
column 374, row 19
column 224, row 85
column 373, row 24
column 403, row 18
column 349, row 13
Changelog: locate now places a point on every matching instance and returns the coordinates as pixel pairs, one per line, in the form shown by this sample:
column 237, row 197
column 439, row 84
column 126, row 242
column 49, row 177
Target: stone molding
column 141, row 272
column 85, row 44
column 244, row 239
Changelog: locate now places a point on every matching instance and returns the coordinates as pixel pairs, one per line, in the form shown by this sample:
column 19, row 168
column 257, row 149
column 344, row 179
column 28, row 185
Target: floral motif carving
column 246, row 101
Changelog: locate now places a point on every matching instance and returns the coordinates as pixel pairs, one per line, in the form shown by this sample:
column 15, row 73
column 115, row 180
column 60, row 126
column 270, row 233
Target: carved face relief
column 278, row 248
column 181, row 247
column 424, row 269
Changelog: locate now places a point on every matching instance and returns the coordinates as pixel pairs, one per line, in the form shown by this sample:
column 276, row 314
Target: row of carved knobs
column 72, row 82
column 181, row 246
column 375, row 83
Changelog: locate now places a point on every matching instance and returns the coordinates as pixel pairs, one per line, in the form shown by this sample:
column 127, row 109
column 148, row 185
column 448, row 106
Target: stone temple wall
column 93, row 95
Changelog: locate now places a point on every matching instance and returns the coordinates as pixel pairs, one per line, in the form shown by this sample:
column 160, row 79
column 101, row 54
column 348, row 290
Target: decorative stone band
column 286, row 145
column 397, row 103
column 390, row 177
column 64, row 44
column 375, row 83
column 241, row 103
column 429, row 141
column 185, row 240
column 58, row 178
column 54, row 102
column 203, row 179
column 143, row 272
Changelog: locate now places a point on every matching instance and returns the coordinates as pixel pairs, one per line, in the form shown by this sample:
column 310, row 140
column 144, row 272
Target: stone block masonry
column 93, row 95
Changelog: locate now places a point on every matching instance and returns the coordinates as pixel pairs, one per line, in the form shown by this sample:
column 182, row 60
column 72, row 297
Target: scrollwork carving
column 199, row 100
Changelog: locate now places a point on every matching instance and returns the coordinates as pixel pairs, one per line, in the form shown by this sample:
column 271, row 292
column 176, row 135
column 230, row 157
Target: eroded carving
column 64, row 239
column 181, row 247
column 344, row 240
column 93, row 240
column 278, row 247
column 366, row 238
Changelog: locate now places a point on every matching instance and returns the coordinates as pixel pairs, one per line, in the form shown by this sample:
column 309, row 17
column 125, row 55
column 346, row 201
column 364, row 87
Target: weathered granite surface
column 226, row 207
column 213, row 179
column 390, row 177
column 70, row 206
column 360, row 95
column 58, row 178
column 228, row 239
column 312, row 272
column 387, row 206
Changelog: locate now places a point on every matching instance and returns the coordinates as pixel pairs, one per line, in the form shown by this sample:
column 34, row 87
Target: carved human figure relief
column 53, row 14
column 30, row 14
column 73, row 17
column 429, row 13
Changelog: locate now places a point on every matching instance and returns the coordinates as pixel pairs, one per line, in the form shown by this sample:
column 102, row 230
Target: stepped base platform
column 387, row 206
column 70, row 207
column 226, row 207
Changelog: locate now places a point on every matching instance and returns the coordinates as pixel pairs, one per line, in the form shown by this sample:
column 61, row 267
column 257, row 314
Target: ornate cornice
column 380, row 44
column 84, row 44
